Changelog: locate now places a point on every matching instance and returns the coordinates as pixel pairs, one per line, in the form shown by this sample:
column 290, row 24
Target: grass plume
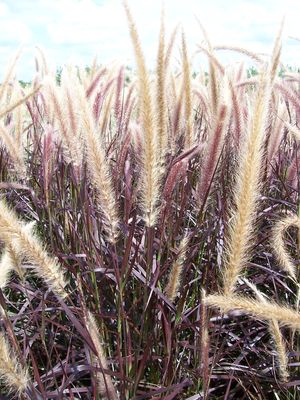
column 12, row 373
column 106, row 388
column 257, row 309
column 277, row 242
column 247, row 189
column 150, row 176
column 161, row 100
column 176, row 271
column 14, row 233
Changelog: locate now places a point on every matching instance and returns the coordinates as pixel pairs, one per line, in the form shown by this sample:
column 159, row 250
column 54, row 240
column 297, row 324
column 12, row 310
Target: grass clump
column 149, row 229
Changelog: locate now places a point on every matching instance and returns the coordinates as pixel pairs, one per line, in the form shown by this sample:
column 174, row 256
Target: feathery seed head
column 14, row 376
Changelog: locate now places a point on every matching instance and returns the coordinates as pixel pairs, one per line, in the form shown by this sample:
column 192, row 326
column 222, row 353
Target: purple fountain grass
column 141, row 240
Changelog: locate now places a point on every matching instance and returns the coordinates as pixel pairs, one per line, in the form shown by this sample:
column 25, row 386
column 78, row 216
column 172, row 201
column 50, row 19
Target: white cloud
column 14, row 31
column 3, row 9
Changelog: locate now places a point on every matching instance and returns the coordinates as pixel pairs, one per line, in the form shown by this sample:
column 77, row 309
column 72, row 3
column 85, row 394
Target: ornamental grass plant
column 149, row 228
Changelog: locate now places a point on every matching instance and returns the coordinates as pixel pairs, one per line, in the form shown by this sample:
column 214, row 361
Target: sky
column 75, row 31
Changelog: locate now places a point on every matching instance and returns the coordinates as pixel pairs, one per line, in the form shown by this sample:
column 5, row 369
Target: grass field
column 149, row 229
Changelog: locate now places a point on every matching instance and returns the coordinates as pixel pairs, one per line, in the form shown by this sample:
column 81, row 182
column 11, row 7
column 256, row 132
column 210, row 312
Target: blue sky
column 74, row 31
